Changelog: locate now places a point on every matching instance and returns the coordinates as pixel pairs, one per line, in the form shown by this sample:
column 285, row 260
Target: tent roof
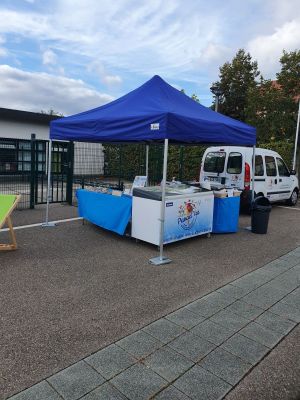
column 153, row 112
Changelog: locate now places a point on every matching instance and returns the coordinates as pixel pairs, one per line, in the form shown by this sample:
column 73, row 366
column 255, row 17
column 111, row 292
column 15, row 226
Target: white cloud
column 161, row 36
column 41, row 91
column 49, row 57
column 267, row 49
column 3, row 52
column 111, row 80
column 105, row 77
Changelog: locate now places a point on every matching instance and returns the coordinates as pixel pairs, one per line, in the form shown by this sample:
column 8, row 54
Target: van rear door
column 235, row 176
column 213, row 167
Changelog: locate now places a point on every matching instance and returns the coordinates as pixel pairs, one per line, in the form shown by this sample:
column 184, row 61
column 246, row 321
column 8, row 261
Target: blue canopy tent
column 154, row 112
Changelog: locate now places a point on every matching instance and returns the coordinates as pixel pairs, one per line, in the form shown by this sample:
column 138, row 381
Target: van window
column 214, row 162
column 234, row 164
column 259, row 166
column 270, row 166
column 282, row 168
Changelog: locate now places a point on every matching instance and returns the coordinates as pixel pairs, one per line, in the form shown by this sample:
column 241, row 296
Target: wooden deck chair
column 8, row 202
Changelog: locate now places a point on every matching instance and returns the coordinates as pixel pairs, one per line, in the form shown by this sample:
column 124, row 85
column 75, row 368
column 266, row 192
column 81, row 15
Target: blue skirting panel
column 226, row 214
column 109, row 212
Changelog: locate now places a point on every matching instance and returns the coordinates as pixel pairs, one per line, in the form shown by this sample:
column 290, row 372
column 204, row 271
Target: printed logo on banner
column 188, row 213
column 155, row 126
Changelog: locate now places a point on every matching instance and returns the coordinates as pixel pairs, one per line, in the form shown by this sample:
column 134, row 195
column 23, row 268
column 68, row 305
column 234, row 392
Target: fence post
column 32, row 170
column 181, row 163
column 70, row 171
column 120, row 165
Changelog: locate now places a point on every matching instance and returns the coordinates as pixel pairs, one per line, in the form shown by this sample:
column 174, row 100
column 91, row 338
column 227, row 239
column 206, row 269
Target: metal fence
column 24, row 163
column 23, row 170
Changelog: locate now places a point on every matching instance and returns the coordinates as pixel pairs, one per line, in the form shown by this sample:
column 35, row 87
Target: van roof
column 245, row 150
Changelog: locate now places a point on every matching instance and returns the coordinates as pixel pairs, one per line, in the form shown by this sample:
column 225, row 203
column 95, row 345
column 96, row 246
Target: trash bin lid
column 261, row 203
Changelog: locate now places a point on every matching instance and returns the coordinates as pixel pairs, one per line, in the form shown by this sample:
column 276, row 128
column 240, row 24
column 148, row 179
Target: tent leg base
column 48, row 225
column 159, row 260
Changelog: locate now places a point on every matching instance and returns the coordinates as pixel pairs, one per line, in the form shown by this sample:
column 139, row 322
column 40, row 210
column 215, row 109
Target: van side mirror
column 292, row 172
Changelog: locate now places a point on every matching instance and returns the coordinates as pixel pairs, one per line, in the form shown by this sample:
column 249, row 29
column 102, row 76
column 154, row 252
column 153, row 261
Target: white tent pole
column 253, row 175
column 296, row 138
column 147, row 164
column 161, row 259
column 47, row 223
column 163, row 197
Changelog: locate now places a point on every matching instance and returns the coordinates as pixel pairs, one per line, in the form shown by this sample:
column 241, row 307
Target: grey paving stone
column 168, row 363
column 219, row 299
column 110, row 361
column 290, row 260
column 229, row 320
column 171, row 393
column 286, row 311
column 40, row 391
column 213, row 332
column 225, row 365
column 285, row 282
column 275, row 290
column 234, row 291
column 139, row 344
column 275, row 322
column 105, row 392
column 251, row 281
column 271, row 291
column 164, row 330
column 185, row 318
column 273, row 270
column 279, row 266
column 192, row 346
column 293, row 300
column 296, row 292
column 200, row 384
column 75, row 381
column 267, row 273
column 259, row 300
column 245, row 348
column 248, row 311
column 204, row 307
column 261, row 334
column 138, row 382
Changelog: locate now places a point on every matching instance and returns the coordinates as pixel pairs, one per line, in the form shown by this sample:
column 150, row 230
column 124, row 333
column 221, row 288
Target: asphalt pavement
column 70, row 290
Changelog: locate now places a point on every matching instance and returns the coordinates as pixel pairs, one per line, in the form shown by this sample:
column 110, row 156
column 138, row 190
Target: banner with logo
column 189, row 216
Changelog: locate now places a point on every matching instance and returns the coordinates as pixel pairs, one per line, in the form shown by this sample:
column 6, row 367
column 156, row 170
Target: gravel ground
column 73, row 289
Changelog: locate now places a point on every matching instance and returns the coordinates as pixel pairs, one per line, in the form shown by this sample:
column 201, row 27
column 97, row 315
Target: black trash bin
column 260, row 213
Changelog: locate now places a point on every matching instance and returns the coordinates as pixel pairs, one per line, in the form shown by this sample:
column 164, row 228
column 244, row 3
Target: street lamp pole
column 216, row 103
column 217, row 92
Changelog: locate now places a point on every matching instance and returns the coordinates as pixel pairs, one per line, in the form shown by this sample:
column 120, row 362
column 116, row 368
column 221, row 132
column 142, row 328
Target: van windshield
column 214, row 162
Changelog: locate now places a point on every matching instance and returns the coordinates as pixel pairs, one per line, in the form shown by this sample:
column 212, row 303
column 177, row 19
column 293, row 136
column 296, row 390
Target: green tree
column 193, row 96
column 52, row 112
column 272, row 105
column 289, row 76
column 271, row 112
column 236, row 79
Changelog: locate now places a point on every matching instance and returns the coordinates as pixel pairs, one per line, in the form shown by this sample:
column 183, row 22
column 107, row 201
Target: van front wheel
column 292, row 201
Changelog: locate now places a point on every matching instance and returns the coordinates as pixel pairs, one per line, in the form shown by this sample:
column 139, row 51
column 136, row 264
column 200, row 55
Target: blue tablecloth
column 226, row 214
column 109, row 212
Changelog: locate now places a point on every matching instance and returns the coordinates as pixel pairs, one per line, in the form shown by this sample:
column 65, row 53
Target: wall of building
column 88, row 157
column 23, row 130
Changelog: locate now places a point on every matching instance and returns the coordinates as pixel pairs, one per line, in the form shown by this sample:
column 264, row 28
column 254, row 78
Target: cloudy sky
column 71, row 55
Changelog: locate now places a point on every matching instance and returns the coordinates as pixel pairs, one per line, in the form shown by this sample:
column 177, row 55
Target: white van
column 231, row 166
